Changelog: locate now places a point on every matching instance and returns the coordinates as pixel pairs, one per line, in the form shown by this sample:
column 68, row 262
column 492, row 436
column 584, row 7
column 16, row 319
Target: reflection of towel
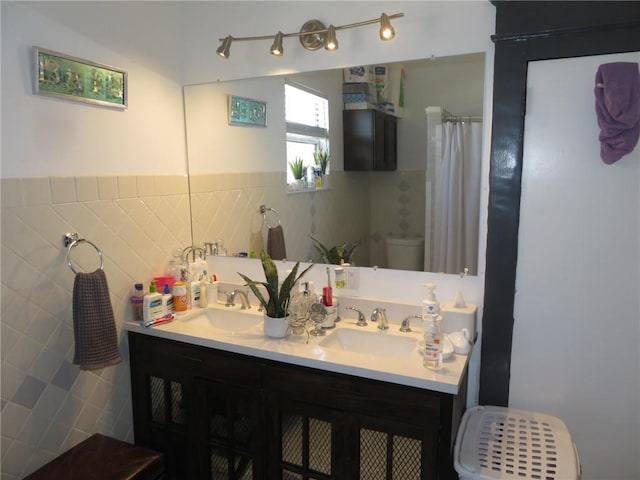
column 94, row 327
column 617, row 94
column 275, row 243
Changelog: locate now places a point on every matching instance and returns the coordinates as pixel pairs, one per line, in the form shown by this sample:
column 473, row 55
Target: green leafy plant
column 277, row 303
column 336, row 255
column 321, row 157
column 297, row 168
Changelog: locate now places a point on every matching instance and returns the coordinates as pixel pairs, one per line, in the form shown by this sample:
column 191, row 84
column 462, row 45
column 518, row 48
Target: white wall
column 44, row 136
column 577, row 313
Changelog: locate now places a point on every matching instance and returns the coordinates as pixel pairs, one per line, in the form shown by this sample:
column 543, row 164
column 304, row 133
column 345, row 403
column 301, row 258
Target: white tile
column 23, row 353
column 87, row 419
column 36, row 191
column 37, row 460
column 74, row 438
column 50, row 401
column 11, row 380
column 171, row 184
column 55, row 436
column 34, row 429
column 101, row 394
column 127, row 187
column 13, row 417
column 63, row 189
column 14, row 461
column 107, row 188
column 69, row 411
column 84, row 385
column 146, row 186
column 86, row 189
column 46, row 365
column 9, row 334
column 11, row 193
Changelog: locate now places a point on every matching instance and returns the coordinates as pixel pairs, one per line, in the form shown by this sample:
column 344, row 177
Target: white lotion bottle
column 167, row 301
column 151, row 304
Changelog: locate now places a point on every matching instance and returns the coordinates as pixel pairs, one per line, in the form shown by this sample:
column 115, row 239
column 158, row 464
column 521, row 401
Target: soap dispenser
column 432, row 342
column 430, row 305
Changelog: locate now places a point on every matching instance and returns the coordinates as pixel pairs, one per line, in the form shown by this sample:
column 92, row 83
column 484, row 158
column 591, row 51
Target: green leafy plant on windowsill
column 336, row 255
column 321, row 157
column 297, row 168
column 277, row 302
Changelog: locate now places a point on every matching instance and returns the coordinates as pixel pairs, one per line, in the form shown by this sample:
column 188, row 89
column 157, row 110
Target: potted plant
column 276, row 303
column 338, row 254
column 297, row 169
column 321, row 157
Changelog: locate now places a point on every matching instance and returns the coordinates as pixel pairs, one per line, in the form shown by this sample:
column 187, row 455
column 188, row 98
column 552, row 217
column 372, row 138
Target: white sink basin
column 380, row 344
column 229, row 320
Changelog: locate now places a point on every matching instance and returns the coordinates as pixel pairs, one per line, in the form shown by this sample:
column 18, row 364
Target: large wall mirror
column 235, row 169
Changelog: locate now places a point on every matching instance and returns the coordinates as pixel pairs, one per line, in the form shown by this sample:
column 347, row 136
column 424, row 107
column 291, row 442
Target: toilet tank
column 405, row 253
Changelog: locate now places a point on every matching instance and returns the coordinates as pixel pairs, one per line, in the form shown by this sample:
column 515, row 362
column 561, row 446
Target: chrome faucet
column 404, row 326
column 231, row 299
column 380, row 313
column 362, row 321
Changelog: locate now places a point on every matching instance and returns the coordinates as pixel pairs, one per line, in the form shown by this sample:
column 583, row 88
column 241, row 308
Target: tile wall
column 48, row 405
column 227, row 207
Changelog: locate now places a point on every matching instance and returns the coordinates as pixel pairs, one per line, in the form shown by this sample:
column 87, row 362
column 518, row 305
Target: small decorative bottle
column 136, row 301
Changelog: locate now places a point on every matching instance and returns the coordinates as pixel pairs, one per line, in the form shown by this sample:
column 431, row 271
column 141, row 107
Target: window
column 307, row 116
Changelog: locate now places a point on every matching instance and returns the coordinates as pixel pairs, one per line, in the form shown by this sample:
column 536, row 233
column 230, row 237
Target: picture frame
column 71, row 78
column 247, row 112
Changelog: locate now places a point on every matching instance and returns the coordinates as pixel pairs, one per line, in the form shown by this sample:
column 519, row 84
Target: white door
column 577, row 306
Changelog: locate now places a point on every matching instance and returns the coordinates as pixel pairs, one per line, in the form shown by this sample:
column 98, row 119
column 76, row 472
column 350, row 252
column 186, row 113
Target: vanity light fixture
column 313, row 35
column 223, row 49
column 386, row 29
column 276, row 48
column 331, row 42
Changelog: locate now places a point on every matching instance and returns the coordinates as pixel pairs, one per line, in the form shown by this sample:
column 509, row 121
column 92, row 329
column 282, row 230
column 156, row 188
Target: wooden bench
column 103, row 458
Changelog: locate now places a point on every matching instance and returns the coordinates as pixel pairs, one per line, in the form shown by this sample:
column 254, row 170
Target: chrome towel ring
column 263, row 210
column 72, row 240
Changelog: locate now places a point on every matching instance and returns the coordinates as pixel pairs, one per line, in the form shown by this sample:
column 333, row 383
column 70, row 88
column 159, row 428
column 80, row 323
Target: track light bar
column 313, row 35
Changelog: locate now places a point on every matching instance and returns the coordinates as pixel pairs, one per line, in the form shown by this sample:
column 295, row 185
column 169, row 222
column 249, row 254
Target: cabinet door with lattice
column 388, row 450
column 306, row 442
column 231, row 422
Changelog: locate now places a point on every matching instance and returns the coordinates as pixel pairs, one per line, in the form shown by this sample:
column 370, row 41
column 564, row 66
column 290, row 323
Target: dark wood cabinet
column 219, row 415
column 370, row 140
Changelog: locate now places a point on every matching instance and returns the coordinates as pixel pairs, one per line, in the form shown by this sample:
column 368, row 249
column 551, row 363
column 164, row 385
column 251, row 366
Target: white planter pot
column 276, row 327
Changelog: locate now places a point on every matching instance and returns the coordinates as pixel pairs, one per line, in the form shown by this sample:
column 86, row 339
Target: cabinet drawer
column 200, row 361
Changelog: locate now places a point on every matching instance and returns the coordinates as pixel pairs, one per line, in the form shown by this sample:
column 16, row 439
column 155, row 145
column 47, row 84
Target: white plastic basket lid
column 505, row 443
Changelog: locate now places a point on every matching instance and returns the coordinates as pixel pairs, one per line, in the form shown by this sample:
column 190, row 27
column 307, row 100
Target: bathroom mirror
column 235, row 169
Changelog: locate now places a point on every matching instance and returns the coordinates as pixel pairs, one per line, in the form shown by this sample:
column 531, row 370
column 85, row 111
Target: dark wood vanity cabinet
column 218, row 415
column 370, row 140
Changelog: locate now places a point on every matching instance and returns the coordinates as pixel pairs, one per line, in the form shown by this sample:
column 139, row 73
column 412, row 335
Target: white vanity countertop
column 405, row 370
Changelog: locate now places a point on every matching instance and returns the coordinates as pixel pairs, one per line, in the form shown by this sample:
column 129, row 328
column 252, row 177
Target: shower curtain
column 457, row 197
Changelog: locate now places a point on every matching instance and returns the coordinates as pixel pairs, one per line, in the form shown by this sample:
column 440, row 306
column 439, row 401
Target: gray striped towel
column 94, row 327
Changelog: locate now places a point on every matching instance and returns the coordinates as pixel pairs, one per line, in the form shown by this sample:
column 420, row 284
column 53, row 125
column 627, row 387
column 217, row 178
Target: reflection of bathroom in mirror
column 233, row 170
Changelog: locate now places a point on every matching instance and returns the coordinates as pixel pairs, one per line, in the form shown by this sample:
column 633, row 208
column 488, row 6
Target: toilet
column 405, row 253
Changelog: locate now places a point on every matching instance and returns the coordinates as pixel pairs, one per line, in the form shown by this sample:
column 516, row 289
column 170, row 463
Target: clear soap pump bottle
column 432, row 342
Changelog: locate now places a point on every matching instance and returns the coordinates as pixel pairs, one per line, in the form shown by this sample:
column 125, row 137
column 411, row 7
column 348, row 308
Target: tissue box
column 359, row 74
column 455, row 319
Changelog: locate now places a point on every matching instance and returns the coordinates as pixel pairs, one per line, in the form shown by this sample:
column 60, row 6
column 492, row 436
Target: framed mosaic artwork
column 247, row 112
column 62, row 76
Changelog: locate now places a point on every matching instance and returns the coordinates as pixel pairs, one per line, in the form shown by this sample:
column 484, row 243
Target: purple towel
column 275, row 243
column 617, row 94
column 94, row 327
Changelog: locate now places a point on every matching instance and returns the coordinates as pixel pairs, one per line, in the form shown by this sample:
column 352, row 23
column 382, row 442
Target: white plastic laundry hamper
column 505, row 443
